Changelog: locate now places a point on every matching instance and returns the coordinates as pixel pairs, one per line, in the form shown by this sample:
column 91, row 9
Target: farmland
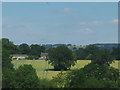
column 42, row 65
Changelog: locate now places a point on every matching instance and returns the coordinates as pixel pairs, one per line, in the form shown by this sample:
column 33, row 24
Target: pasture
column 42, row 65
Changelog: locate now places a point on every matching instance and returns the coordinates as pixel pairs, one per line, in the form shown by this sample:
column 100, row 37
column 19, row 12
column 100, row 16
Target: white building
column 43, row 56
column 19, row 56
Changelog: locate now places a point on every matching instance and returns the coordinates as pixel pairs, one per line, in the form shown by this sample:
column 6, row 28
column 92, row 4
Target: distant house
column 19, row 56
column 43, row 56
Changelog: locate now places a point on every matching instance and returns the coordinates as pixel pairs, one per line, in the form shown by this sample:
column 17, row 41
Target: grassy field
column 41, row 65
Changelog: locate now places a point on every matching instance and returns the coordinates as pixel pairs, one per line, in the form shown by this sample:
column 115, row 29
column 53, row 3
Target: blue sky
column 50, row 23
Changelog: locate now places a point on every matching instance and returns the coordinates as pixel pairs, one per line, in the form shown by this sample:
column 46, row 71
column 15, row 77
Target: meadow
column 42, row 65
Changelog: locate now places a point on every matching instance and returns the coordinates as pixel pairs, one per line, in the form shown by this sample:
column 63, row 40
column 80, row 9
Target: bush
column 44, row 83
column 26, row 77
column 95, row 83
column 101, row 72
column 8, row 78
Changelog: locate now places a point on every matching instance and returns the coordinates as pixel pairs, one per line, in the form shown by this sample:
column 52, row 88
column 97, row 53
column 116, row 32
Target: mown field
column 42, row 65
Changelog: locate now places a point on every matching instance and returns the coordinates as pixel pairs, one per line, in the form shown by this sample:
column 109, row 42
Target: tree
column 12, row 49
column 61, row 58
column 81, row 54
column 7, row 68
column 24, row 48
column 90, row 50
column 86, row 53
column 36, row 50
column 6, row 61
column 116, row 53
column 102, row 57
column 26, row 77
column 103, row 72
column 8, row 78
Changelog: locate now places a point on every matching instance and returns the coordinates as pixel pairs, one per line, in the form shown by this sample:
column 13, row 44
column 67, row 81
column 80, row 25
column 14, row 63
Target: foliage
column 61, row 57
column 90, row 49
column 61, row 80
column 80, row 53
column 6, row 61
column 12, row 49
column 36, row 50
column 45, row 83
column 116, row 53
column 103, row 72
column 26, row 77
column 95, row 83
column 8, row 78
column 86, row 53
column 7, row 68
column 77, row 77
column 23, row 77
column 91, row 76
column 25, row 49
column 102, row 57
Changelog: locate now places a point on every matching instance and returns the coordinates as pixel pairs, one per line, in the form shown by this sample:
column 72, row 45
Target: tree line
column 33, row 51
column 97, row 74
column 85, row 53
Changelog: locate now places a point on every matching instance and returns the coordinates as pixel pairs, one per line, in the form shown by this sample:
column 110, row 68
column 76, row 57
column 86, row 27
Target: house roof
column 44, row 54
column 19, row 55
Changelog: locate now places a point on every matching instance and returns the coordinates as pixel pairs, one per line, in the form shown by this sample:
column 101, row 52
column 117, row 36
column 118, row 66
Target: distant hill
column 107, row 45
column 76, row 47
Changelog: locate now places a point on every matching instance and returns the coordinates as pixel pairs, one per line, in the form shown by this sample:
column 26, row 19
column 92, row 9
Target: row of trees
column 63, row 58
column 32, row 50
column 85, row 53
column 35, row 50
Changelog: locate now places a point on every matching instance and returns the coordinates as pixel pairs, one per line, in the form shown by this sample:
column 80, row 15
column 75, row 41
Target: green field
column 41, row 65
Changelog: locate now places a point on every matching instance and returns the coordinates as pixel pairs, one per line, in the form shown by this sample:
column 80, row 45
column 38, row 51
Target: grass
column 41, row 65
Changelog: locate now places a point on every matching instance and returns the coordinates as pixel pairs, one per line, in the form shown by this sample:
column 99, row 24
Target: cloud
column 90, row 23
column 67, row 10
column 85, row 31
column 95, row 23
column 115, row 21
column 14, row 26
column 82, row 23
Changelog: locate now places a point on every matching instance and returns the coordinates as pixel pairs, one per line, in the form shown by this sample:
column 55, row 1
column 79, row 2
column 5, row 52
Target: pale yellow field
column 41, row 65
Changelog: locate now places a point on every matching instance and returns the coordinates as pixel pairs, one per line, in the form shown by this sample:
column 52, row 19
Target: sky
column 79, row 23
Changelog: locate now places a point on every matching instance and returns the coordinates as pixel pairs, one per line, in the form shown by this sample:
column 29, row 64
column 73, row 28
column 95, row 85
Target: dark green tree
column 26, row 77
column 102, row 57
column 103, row 72
column 24, row 48
column 90, row 50
column 8, row 45
column 61, row 57
column 36, row 50
column 7, row 69
column 86, row 53
column 6, row 60
column 81, row 54
column 115, row 53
